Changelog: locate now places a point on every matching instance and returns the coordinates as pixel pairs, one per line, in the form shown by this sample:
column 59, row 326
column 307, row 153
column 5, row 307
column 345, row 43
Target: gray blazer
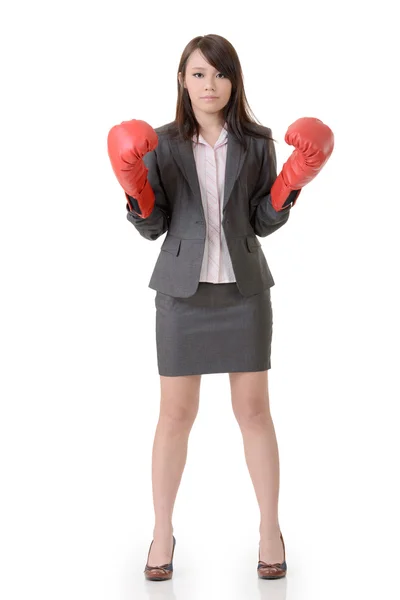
column 247, row 212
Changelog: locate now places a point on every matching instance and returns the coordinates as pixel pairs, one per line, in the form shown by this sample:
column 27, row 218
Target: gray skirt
column 217, row 330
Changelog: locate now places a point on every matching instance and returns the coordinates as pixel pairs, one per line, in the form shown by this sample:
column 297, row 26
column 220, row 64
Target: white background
column 79, row 383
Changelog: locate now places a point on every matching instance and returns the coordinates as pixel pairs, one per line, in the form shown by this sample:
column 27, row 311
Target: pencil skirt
column 217, row 330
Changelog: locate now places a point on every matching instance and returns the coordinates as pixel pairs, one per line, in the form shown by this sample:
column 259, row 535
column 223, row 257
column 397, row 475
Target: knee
column 252, row 414
column 177, row 417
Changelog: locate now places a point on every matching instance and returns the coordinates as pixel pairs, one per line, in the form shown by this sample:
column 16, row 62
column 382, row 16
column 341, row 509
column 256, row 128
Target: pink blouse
column 210, row 163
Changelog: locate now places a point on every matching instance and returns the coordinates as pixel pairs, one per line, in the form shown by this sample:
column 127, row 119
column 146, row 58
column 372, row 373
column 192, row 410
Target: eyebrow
column 200, row 68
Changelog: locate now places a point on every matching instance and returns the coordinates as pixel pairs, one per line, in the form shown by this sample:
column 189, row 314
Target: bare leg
column 250, row 403
column 178, row 409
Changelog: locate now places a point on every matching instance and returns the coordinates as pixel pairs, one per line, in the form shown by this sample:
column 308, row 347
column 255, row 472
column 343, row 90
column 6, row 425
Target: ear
column 181, row 82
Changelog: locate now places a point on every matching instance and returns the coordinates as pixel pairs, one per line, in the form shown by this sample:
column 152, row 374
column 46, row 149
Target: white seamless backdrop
column 79, row 380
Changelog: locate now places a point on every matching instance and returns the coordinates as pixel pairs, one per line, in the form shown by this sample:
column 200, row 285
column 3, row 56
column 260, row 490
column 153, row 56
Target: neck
column 209, row 122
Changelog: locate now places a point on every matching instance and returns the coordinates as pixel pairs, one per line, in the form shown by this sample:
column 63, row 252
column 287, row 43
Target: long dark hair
column 238, row 115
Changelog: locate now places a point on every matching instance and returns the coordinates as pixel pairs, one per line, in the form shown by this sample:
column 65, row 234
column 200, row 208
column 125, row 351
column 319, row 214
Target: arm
column 158, row 221
column 263, row 217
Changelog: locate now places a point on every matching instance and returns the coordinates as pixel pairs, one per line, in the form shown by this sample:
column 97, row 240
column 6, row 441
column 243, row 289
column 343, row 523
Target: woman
column 209, row 179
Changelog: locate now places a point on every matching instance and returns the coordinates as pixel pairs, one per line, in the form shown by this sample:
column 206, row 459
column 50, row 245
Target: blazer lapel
column 234, row 161
column 182, row 151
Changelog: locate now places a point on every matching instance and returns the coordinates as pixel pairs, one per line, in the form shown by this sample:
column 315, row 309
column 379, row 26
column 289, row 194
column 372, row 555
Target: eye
column 194, row 74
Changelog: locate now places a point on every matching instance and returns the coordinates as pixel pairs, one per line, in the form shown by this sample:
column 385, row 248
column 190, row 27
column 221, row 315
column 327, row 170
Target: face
column 203, row 80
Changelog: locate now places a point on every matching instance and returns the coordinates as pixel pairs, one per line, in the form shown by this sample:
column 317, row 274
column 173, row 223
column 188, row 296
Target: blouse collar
column 221, row 140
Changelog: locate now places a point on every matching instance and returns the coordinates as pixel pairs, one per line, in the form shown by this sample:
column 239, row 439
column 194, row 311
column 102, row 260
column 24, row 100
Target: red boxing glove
column 127, row 143
column 314, row 143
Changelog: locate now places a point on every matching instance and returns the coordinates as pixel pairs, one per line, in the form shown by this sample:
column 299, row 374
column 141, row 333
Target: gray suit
column 247, row 213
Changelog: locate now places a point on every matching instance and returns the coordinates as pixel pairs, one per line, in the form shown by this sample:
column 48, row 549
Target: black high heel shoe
column 159, row 572
column 272, row 570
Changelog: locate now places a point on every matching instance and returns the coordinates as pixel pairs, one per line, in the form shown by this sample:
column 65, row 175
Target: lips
column 209, row 97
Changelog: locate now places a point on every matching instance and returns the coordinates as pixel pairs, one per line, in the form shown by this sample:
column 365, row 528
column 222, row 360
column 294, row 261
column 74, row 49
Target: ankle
column 269, row 531
column 163, row 530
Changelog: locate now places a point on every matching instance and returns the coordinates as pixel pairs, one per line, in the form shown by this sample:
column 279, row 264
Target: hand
column 127, row 144
column 314, row 142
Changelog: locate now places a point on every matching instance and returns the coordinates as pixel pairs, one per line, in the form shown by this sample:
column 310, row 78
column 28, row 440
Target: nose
column 210, row 85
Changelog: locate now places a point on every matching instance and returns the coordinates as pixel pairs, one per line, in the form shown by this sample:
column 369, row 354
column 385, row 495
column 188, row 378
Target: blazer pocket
column 171, row 244
column 253, row 243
